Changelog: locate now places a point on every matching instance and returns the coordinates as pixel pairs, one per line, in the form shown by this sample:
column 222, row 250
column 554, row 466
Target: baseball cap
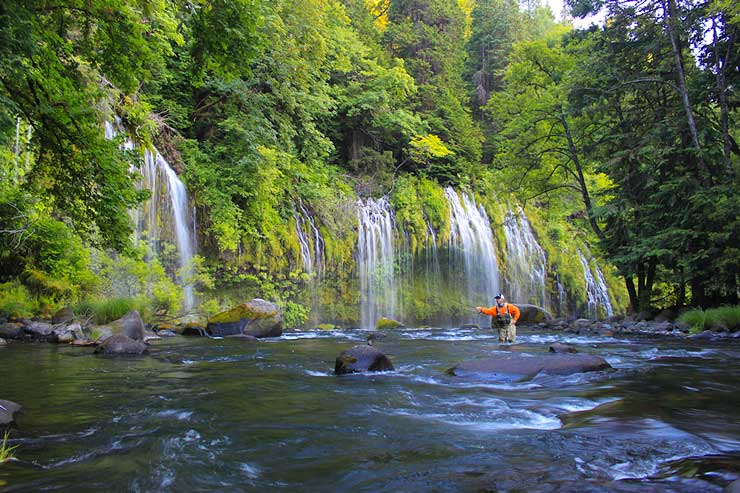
column 499, row 296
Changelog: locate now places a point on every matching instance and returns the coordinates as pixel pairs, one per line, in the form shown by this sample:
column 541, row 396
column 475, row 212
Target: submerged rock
column 361, row 358
column 241, row 337
column 258, row 318
column 121, row 344
column 733, row 487
column 562, row 348
column 7, row 411
column 527, row 364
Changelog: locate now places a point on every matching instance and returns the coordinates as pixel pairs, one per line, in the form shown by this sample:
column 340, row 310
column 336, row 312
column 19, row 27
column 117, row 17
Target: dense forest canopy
column 626, row 132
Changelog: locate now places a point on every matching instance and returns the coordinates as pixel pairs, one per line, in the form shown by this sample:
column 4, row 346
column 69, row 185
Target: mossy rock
column 327, row 327
column 387, row 323
column 130, row 325
column 362, row 358
column 532, row 314
column 258, row 318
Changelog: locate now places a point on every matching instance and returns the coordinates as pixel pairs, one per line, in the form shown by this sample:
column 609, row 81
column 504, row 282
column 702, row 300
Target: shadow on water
column 212, row 415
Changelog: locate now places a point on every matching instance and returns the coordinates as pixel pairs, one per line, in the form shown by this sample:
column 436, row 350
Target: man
column 503, row 317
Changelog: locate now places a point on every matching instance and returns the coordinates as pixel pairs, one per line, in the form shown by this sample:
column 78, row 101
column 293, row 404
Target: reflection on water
column 213, row 415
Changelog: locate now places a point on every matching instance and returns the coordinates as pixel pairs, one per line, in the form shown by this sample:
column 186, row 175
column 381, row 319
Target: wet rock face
column 361, row 358
column 523, row 364
column 258, row 318
column 122, row 345
column 7, row 411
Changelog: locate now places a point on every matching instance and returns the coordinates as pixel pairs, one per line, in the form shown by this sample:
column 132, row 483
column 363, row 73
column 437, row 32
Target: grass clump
column 6, row 451
column 722, row 318
column 104, row 311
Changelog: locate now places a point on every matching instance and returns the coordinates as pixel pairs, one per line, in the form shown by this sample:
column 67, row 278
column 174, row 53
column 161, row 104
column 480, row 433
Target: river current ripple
column 222, row 415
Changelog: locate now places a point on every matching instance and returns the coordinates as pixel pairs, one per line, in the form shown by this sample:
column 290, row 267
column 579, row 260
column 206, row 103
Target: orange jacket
column 494, row 310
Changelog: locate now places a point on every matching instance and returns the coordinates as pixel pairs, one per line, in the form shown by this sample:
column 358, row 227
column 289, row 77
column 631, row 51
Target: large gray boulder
column 529, row 365
column 40, row 330
column 361, row 358
column 532, row 314
column 11, row 330
column 258, row 318
column 7, row 411
column 733, row 487
column 130, row 325
column 120, row 344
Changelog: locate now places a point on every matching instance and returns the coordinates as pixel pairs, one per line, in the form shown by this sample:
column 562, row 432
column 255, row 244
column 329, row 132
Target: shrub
column 104, row 311
column 16, row 301
column 695, row 319
column 724, row 317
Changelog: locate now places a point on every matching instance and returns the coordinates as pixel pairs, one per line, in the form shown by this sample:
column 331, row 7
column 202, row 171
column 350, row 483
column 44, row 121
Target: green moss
column 387, row 323
column 239, row 312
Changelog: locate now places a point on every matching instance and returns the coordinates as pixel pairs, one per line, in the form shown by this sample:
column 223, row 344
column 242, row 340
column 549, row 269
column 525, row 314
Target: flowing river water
column 227, row 415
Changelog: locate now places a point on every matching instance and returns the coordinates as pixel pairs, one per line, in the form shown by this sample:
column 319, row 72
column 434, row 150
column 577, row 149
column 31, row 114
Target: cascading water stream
column 166, row 215
column 526, row 263
column 376, row 261
column 596, row 291
column 472, row 249
column 310, row 239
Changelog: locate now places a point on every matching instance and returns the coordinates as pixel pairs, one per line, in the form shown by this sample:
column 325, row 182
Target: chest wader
column 503, row 322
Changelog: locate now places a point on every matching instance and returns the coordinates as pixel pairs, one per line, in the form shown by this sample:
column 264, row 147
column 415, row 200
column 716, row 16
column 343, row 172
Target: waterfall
column 376, row 260
column 597, row 293
column 310, row 240
column 166, row 215
column 526, row 264
column 472, row 249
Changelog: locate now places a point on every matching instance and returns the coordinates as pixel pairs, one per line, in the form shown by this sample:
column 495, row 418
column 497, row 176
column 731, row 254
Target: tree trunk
column 671, row 23
column 630, row 283
column 581, row 180
column 719, row 68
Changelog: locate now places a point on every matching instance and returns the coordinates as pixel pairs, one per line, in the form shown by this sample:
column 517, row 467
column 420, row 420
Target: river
column 202, row 414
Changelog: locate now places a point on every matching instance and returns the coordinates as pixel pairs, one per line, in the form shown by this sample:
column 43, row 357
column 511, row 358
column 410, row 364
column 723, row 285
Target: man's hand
column 478, row 308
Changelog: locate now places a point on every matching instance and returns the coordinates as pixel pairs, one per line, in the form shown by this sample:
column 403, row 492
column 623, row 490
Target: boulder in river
column 361, row 358
column 63, row 315
column 7, row 411
column 388, row 323
column 120, row 344
column 130, row 325
column 533, row 314
column 40, row 330
column 258, row 318
column 733, row 487
column 529, row 365
column 11, row 330
column 559, row 347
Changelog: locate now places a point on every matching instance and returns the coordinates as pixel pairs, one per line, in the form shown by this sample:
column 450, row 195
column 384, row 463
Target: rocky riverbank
column 660, row 325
